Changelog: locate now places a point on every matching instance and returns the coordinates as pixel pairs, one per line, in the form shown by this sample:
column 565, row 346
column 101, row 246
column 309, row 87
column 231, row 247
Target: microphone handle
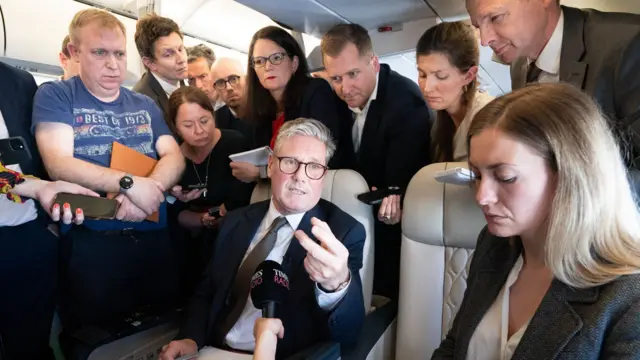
column 269, row 310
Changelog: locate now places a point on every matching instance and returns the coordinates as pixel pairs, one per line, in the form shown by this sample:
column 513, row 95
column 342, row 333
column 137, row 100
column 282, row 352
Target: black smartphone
column 14, row 151
column 189, row 188
column 376, row 197
column 214, row 211
column 92, row 207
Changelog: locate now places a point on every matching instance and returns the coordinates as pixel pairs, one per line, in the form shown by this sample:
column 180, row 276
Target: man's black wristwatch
column 126, row 183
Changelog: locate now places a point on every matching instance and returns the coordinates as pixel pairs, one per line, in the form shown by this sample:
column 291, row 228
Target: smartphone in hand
column 92, row 207
column 214, row 211
column 376, row 197
column 190, row 188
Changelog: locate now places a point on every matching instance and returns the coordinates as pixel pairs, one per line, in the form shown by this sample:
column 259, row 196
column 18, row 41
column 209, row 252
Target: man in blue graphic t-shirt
column 110, row 267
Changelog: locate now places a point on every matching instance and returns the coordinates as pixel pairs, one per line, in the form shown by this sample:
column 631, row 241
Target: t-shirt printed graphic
column 133, row 128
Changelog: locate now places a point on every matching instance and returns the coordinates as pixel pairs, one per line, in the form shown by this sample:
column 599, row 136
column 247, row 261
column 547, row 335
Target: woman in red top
column 279, row 89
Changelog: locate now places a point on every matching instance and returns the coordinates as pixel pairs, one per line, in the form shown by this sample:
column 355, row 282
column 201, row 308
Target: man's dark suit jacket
column 149, row 85
column 601, row 55
column 395, row 145
column 226, row 120
column 304, row 321
column 579, row 324
column 17, row 89
column 318, row 102
column 396, row 137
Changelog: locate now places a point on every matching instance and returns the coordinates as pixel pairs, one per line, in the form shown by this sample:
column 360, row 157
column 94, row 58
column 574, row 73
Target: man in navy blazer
column 387, row 141
column 319, row 247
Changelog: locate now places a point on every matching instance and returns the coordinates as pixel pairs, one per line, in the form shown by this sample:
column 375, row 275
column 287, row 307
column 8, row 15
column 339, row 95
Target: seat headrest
column 441, row 214
column 314, row 60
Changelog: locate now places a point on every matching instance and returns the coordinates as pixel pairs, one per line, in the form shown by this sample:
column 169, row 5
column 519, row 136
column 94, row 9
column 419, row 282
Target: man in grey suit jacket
column 598, row 52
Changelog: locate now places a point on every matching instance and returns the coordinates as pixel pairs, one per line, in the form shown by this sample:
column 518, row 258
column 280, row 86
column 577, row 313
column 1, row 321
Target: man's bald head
column 228, row 79
column 226, row 65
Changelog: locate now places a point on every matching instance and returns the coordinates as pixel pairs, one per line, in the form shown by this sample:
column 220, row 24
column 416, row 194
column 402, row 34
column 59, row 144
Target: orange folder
column 126, row 159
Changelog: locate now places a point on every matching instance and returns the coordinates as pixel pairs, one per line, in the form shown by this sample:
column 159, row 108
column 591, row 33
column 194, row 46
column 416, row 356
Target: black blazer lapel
column 554, row 323
column 490, row 278
column 572, row 68
column 374, row 117
column 234, row 249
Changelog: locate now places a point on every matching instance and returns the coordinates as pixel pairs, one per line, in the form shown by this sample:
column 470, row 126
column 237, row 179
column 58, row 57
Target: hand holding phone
column 92, row 207
column 376, row 196
column 186, row 195
column 214, row 212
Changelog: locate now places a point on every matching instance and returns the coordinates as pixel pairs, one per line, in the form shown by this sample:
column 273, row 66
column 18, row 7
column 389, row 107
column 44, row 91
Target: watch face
column 126, row 182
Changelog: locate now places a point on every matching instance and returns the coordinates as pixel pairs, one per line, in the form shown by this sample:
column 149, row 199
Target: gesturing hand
column 326, row 263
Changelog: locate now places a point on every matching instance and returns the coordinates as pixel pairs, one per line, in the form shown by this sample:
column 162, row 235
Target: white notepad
column 257, row 157
column 456, row 176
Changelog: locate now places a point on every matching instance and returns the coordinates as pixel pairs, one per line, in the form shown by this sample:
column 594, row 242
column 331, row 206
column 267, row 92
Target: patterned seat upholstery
column 440, row 226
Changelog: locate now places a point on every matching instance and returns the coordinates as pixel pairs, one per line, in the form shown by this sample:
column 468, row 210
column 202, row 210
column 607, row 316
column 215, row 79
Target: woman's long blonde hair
column 593, row 233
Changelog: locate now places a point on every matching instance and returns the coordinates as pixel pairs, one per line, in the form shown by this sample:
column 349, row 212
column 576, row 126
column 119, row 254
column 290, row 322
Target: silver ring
column 386, row 218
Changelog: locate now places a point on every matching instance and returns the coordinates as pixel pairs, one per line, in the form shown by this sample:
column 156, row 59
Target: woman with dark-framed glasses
column 279, row 89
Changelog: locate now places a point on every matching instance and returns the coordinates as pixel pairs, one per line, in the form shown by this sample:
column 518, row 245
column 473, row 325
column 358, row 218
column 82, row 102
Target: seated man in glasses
column 318, row 245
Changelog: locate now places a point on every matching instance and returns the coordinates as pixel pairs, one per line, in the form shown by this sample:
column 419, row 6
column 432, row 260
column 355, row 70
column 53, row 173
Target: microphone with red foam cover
column 269, row 286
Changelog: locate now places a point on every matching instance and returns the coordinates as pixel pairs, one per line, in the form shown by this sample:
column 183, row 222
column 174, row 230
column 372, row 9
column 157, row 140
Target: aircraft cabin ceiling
column 206, row 19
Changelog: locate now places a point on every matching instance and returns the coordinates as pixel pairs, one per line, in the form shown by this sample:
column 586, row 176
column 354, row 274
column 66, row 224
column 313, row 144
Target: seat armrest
column 321, row 351
column 375, row 325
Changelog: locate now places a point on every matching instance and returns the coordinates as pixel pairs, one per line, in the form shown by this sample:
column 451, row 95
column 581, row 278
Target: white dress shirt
column 490, row 340
column 240, row 337
column 549, row 59
column 218, row 104
column 480, row 99
column 361, row 118
column 11, row 213
column 168, row 88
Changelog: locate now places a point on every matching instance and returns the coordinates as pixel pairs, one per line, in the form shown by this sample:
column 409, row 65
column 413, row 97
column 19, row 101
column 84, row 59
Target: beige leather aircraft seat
column 440, row 226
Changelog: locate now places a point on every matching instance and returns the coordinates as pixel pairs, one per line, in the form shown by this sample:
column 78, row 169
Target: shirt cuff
column 329, row 301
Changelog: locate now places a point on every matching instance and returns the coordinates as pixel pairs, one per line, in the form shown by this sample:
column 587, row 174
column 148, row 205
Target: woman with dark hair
column 279, row 88
column 448, row 57
column 207, row 181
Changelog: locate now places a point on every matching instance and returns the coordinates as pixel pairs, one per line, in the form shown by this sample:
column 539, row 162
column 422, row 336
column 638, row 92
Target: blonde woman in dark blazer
column 555, row 272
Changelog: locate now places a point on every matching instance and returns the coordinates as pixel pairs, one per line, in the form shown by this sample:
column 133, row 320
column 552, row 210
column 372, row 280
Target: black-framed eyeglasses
column 221, row 84
column 289, row 165
column 274, row 59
